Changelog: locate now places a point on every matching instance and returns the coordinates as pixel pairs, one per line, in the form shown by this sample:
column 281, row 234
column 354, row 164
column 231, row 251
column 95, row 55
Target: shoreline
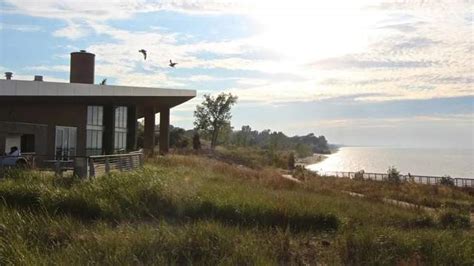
column 313, row 159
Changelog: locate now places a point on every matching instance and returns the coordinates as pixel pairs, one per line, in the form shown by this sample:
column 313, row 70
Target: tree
column 214, row 114
column 178, row 137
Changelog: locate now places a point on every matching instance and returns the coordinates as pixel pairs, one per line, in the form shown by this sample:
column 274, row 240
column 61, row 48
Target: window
column 120, row 144
column 95, row 129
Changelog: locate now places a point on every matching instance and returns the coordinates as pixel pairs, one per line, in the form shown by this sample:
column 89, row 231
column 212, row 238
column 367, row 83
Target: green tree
column 213, row 114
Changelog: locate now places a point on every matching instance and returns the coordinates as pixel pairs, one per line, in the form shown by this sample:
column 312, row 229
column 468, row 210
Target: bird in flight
column 172, row 64
column 104, row 82
column 143, row 51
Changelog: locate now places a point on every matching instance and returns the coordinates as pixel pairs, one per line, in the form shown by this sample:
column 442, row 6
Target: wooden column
column 149, row 134
column 164, row 130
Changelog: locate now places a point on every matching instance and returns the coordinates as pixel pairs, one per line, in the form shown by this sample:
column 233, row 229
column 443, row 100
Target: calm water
column 437, row 162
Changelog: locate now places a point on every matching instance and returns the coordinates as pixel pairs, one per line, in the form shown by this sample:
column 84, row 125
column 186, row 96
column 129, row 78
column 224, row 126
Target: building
column 63, row 120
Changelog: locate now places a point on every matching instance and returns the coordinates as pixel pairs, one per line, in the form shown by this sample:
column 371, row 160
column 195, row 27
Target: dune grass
column 196, row 210
column 434, row 196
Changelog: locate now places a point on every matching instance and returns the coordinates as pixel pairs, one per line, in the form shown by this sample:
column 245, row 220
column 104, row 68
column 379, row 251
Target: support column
column 164, row 130
column 149, row 134
column 132, row 128
column 108, row 139
column 2, row 143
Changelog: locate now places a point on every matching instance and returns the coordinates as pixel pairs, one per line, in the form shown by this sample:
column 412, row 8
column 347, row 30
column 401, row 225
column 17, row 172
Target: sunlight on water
column 437, row 162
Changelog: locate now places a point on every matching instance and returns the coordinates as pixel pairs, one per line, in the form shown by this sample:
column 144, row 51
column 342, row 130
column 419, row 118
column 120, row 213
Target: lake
column 436, row 162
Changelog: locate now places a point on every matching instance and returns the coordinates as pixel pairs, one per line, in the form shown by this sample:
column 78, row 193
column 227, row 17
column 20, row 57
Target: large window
column 95, row 129
column 120, row 144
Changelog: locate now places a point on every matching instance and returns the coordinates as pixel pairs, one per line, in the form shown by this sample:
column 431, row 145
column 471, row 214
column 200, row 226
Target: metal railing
column 429, row 180
column 104, row 164
column 81, row 166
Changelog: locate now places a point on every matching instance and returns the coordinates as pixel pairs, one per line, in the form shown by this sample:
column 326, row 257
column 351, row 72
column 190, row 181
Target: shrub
column 196, row 141
column 453, row 219
column 291, row 161
column 423, row 221
column 446, row 181
column 393, row 175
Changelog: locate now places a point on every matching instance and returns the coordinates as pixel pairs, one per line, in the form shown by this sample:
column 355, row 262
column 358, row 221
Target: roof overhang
column 55, row 92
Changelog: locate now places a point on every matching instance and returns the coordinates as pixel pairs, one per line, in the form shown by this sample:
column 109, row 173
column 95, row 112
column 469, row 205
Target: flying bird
column 172, row 64
column 104, row 82
column 143, row 51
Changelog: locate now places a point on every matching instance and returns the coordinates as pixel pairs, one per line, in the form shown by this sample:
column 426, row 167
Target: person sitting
column 14, row 151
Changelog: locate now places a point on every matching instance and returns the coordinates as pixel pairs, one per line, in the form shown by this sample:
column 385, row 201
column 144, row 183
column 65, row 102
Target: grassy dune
column 461, row 199
column 195, row 210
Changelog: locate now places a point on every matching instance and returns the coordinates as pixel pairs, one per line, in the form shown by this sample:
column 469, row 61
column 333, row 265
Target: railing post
column 120, row 163
column 130, row 162
column 57, row 167
column 140, row 159
column 91, row 167
column 107, row 165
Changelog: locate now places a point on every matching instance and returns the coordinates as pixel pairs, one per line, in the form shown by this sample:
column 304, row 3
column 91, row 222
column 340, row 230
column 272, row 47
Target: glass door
column 65, row 142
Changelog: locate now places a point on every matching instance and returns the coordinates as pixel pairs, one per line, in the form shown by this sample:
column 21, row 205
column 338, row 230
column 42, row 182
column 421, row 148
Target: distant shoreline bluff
column 313, row 159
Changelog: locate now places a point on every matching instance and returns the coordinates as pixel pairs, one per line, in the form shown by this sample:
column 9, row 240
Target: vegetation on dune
column 195, row 209
column 439, row 197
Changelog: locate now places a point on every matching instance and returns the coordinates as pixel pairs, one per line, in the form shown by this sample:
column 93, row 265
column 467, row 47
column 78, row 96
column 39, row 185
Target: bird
column 172, row 64
column 104, row 82
column 143, row 51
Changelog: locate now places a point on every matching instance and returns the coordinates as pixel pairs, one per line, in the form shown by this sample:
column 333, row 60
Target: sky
column 368, row 73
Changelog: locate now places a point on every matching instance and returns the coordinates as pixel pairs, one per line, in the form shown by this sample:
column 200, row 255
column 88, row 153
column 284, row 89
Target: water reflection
column 438, row 162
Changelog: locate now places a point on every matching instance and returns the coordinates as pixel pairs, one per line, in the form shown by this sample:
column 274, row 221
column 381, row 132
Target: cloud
column 392, row 122
column 354, row 62
column 49, row 68
column 415, row 43
column 403, row 27
column 73, row 31
column 70, row 9
column 19, row 27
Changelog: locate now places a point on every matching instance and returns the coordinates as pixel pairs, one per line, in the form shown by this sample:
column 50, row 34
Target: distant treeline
column 246, row 137
column 273, row 140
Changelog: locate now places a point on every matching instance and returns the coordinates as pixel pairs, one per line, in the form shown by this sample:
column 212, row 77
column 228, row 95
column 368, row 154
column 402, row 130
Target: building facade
column 63, row 120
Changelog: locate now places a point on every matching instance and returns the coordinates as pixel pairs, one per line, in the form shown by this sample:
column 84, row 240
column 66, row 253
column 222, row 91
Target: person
column 411, row 178
column 14, row 151
column 11, row 157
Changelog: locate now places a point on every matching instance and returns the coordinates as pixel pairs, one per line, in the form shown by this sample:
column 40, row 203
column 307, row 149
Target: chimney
column 38, row 78
column 8, row 75
column 82, row 67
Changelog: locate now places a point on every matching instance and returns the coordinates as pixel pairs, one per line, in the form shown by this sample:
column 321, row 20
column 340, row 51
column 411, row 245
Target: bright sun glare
column 310, row 30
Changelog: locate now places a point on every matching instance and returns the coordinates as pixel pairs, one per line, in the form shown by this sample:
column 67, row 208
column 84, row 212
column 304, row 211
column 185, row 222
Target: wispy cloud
column 19, row 27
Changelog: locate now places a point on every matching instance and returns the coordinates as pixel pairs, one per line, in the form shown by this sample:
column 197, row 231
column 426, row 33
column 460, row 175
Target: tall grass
column 196, row 210
column 419, row 194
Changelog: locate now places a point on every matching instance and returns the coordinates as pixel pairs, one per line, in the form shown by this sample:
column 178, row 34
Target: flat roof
column 44, row 88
